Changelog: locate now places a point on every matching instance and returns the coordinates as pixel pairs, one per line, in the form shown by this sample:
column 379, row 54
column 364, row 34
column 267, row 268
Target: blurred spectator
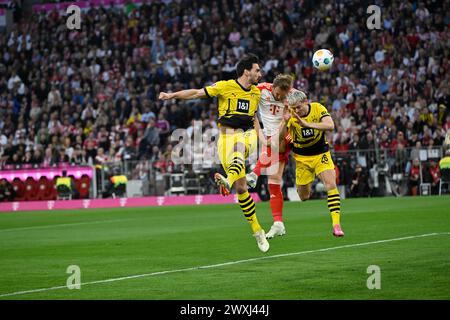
column 61, row 156
column 359, row 186
column 49, row 159
column 37, row 157
column 101, row 158
column 78, row 155
column 7, row 192
column 99, row 85
column 65, row 186
column 128, row 151
column 397, row 142
column 152, row 133
column 444, row 165
column 155, row 154
column 379, row 174
column 163, row 126
column 54, row 98
column 414, row 177
column 116, row 184
column 432, row 175
column 161, row 165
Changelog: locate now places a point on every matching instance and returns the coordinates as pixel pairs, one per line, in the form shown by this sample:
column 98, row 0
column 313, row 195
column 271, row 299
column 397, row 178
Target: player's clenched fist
column 165, row 96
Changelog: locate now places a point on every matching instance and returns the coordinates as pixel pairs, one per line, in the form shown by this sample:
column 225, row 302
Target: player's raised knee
column 304, row 196
column 330, row 186
column 241, row 186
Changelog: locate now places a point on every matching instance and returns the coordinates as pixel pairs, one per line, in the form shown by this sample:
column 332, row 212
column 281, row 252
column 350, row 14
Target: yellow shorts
column 238, row 140
column 308, row 167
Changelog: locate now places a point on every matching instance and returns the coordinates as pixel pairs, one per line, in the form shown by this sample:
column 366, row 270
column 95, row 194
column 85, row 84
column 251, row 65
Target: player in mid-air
column 271, row 109
column 306, row 126
column 237, row 103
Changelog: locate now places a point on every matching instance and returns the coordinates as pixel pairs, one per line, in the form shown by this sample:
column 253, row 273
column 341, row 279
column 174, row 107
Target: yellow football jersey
column 307, row 141
column 237, row 105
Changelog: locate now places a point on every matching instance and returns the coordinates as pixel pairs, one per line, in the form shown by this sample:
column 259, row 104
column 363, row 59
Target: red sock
column 276, row 201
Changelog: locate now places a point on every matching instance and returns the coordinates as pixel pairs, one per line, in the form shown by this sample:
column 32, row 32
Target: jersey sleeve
column 323, row 112
column 216, row 89
column 264, row 85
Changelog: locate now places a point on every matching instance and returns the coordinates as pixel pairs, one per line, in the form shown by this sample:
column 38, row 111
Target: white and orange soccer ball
column 322, row 59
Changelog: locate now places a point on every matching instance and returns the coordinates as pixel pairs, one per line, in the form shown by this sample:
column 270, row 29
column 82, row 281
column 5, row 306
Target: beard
column 254, row 80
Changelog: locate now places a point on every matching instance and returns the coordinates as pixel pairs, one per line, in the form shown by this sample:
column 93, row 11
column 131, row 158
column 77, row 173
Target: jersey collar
column 240, row 85
column 309, row 111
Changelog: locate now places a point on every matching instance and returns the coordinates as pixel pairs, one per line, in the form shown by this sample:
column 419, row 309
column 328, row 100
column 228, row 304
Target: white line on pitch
column 64, row 225
column 228, row 263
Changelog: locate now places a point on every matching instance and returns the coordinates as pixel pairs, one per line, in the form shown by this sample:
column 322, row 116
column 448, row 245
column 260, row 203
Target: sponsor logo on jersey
column 243, row 105
column 307, row 133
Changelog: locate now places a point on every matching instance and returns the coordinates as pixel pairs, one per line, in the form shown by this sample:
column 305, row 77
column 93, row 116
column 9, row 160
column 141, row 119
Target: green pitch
column 163, row 247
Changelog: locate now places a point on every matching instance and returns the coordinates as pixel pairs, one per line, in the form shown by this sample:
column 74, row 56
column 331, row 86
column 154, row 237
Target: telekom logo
column 123, row 202
column 86, row 203
column 160, row 201
column 198, row 199
column 15, row 206
column 50, row 205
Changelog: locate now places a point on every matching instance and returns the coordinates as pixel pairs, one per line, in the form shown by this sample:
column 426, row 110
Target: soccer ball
column 322, row 59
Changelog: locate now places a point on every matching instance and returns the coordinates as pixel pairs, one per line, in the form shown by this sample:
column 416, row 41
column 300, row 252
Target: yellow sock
column 334, row 205
column 335, row 218
column 249, row 209
column 236, row 167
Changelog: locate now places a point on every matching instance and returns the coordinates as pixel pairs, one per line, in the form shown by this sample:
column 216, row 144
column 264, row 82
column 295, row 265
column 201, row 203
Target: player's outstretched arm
column 183, row 94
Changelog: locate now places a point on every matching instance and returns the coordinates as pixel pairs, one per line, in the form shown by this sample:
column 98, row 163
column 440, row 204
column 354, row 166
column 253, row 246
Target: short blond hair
column 296, row 97
column 283, row 81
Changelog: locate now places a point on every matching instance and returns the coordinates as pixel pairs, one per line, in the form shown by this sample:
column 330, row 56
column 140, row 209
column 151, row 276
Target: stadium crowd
column 90, row 96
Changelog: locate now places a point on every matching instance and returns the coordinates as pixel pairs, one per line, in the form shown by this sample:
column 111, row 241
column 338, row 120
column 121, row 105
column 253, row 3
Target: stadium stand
column 89, row 97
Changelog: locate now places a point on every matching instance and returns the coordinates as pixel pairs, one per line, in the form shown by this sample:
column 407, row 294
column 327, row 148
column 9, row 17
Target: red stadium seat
column 44, row 189
column 77, row 184
column 31, row 189
column 51, row 189
column 42, row 186
column 84, row 187
column 19, row 188
column 53, row 192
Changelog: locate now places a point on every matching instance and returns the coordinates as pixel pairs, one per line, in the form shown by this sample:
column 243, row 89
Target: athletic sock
column 276, row 201
column 334, row 205
column 249, row 209
column 235, row 168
